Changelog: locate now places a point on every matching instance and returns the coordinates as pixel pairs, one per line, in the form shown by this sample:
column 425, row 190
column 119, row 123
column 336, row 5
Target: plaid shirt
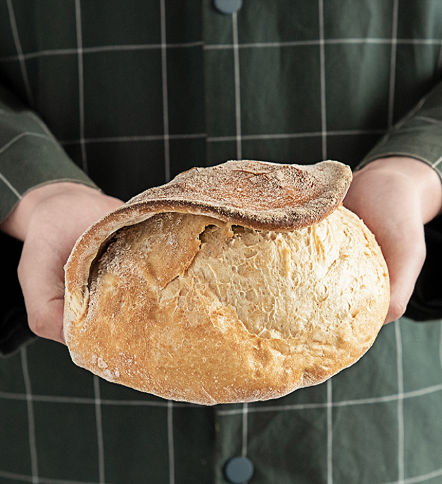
column 136, row 91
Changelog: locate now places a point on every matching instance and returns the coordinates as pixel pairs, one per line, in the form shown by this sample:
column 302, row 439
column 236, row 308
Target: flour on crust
column 201, row 291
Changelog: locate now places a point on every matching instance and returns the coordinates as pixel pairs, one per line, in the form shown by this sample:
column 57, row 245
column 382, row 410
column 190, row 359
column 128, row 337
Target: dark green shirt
column 125, row 95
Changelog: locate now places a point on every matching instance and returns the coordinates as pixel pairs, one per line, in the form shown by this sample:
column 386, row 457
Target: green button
column 238, row 470
column 228, row 6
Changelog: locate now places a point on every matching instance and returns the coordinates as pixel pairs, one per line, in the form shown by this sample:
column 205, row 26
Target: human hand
column 395, row 197
column 49, row 220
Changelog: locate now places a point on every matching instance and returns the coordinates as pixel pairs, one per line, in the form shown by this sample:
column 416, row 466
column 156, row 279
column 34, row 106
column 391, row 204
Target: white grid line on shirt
column 245, row 429
column 427, row 119
column 42, row 480
column 11, row 187
column 167, row 174
column 170, row 442
column 322, row 72
column 99, row 425
column 165, row 91
column 311, row 134
column 99, row 50
column 19, row 50
column 21, row 477
column 400, row 405
column 329, row 432
column 342, row 403
column 132, row 139
column 80, row 82
column 237, row 87
column 437, row 162
column 31, row 420
column 12, row 141
column 251, row 45
column 260, row 407
column 217, row 139
column 421, row 478
column 162, row 45
column 440, row 346
column 8, row 184
column 87, row 400
column 322, row 80
column 238, row 139
column 393, row 52
column 316, row 42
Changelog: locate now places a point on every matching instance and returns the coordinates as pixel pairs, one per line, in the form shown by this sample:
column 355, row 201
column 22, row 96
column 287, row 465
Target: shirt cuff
column 30, row 156
column 418, row 135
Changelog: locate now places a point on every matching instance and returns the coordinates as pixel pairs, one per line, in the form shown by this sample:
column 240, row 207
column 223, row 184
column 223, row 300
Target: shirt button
column 238, row 470
column 228, row 6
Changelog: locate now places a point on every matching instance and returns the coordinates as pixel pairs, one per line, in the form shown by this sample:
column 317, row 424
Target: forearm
column 420, row 176
column 17, row 222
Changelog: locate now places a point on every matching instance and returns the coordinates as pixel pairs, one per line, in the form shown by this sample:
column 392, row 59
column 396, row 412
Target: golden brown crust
column 156, row 309
column 256, row 194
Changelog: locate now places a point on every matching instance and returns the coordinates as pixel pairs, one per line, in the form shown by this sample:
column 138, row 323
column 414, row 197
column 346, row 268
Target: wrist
column 422, row 180
column 17, row 222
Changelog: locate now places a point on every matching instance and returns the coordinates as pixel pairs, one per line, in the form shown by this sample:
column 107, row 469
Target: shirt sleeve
column 418, row 135
column 30, row 156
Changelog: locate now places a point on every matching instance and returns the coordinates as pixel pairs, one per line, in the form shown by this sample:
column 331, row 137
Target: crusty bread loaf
column 235, row 283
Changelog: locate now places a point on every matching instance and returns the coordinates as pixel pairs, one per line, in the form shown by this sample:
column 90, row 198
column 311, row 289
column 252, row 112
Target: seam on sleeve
column 10, row 186
column 12, row 141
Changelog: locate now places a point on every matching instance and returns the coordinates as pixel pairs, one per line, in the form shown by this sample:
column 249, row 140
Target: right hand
column 395, row 197
column 49, row 220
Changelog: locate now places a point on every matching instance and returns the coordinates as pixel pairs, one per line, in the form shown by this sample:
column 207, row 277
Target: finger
column 46, row 320
column 42, row 280
column 405, row 258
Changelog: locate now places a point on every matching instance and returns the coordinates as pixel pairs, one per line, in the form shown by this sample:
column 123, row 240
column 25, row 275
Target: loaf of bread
column 234, row 283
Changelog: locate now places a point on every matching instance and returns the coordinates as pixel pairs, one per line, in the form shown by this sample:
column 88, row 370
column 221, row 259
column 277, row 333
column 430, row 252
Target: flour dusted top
column 257, row 194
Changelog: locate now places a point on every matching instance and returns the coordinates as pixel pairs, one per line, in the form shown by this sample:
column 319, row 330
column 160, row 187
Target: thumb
column 405, row 256
column 41, row 277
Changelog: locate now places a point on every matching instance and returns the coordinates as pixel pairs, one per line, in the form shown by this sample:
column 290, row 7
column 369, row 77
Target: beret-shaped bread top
column 256, row 194
column 199, row 291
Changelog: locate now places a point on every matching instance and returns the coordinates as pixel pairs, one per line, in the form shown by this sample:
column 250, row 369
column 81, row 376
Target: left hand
column 49, row 220
column 395, row 197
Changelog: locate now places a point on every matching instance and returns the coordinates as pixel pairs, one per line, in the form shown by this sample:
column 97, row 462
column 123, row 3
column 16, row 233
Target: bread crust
column 147, row 315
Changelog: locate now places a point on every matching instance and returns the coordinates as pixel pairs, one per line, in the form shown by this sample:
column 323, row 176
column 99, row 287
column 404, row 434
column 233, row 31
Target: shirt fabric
column 125, row 95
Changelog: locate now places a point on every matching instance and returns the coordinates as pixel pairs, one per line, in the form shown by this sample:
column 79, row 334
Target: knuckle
column 38, row 323
column 397, row 309
column 46, row 321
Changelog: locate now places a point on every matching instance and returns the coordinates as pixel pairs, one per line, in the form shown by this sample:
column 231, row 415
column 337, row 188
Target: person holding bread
column 99, row 103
